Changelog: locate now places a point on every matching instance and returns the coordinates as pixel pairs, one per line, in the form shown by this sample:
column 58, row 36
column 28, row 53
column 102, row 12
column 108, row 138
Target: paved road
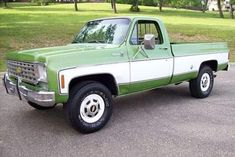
column 161, row 122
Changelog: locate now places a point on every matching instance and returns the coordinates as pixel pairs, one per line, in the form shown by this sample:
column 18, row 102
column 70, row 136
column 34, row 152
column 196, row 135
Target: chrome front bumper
column 42, row 98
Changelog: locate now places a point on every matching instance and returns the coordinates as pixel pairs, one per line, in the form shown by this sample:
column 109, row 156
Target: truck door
column 149, row 68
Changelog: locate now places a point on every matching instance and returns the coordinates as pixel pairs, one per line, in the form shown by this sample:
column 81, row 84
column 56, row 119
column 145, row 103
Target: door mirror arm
column 147, row 44
column 141, row 50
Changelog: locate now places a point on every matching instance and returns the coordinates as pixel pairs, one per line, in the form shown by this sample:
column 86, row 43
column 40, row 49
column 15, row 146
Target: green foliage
column 184, row 3
column 149, row 2
column 172, row 3
column 232, row 2
column 27, row 26
column 134, row 8
column 141, row 2
column 124, row 1
column 42, row 2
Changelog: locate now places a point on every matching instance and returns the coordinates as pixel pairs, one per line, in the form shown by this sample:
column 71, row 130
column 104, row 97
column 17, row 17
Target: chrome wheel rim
column 92, row 108
column 205, row 82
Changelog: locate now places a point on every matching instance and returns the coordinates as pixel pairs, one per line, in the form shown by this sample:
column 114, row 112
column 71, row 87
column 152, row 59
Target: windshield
column 108, row 31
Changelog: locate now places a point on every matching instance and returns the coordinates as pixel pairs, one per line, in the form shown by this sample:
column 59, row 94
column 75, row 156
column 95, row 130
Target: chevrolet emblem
column 18, row 70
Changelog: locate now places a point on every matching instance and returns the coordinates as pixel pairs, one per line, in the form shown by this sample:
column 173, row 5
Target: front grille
column 23, row 70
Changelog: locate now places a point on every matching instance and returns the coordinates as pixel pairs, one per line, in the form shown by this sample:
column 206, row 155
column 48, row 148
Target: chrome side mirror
column 149, row 41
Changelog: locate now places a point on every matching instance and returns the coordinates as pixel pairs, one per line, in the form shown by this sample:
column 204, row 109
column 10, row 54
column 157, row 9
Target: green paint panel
column 73, row 55
column 189, row 49
column 143, row 85
column 123, row 89
column 151, row 84
column 222, row 66
column 158, row 52
column 184, row 77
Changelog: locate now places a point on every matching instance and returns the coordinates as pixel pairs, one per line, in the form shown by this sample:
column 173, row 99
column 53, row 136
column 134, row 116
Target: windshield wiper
column 74, row 42
column 92, row 41
column 96, row 41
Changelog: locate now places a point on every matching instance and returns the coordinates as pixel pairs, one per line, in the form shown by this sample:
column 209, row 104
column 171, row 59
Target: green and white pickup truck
column 110, row 57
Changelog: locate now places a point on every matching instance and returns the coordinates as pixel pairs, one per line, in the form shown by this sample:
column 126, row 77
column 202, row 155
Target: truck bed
column 188, row 49
column 189, row 56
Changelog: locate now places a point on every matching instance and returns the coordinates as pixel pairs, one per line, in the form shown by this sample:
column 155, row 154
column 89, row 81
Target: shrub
column 42, row 2
column 149, row 2
column 134, row 8
column 184, row 3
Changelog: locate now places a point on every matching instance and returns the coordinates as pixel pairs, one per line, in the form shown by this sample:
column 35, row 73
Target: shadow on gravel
column 53, row 120
column 155, row 97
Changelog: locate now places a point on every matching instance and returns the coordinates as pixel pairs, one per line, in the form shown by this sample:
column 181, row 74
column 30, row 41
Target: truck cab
column 145, row 63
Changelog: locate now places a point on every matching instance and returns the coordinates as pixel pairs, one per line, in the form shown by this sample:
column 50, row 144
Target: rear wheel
column 89, row 107
column 201, row 86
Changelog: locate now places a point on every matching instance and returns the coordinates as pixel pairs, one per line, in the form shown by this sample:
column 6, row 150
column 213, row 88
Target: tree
column 5, row 3
column 220, row 9
column 231, row 9
column 183, row 3
column 204, row 5
column 75, row 5
column 160, row 5
column 135, row 6
column 113, row 4
column 42, row 2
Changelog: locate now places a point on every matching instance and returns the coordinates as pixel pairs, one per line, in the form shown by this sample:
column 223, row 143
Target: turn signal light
column 229, row 55
column 62, row 81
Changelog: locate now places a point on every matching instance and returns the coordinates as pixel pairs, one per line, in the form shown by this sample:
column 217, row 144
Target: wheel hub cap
column 92, row 108
column 205, row 82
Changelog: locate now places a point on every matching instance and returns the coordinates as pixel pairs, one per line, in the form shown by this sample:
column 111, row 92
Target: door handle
column 118, row 53
column 163, row 48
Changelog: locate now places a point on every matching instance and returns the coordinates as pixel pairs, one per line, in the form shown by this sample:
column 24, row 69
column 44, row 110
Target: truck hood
column 43, row 54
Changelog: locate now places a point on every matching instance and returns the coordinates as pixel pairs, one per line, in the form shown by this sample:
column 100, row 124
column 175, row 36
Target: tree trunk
column 111, row 3
column 114, row 6
column 5, row 3
column 204, row 5
column 135, row 3
column 75, row 5
column 220, row 9
column 135, row 6
column 231, row 10
column 160, row 5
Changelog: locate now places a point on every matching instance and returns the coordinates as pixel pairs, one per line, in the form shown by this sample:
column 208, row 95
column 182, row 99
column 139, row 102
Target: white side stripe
column 142, row 70
column 120, row 72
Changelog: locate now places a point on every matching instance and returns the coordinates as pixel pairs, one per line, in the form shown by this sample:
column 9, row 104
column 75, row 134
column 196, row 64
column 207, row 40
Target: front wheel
column 201, row 86
column 89, row 107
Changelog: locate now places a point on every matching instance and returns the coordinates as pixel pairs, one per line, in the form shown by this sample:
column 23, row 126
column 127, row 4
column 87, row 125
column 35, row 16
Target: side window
column 134, row 36
column 146, row 27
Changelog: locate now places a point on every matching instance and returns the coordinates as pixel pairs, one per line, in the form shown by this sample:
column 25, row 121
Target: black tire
column 196, row 86
column 74, row 106
column 38, row 107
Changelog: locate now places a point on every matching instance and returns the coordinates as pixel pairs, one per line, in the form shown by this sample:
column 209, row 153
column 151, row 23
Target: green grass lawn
column 25, row 25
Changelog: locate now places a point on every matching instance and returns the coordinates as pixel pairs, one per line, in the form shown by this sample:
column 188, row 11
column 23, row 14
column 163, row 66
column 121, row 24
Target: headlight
column 41, row 72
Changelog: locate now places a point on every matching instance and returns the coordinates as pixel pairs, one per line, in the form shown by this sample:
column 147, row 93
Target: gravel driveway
column 160, row 122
